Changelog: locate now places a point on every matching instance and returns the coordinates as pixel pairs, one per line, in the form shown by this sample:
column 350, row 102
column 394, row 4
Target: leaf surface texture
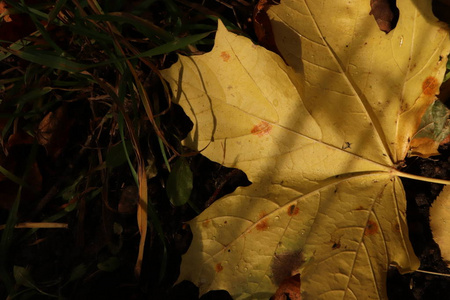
column 319, row 139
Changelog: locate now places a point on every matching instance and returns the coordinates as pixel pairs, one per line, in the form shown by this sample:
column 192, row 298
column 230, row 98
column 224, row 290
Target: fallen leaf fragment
column 433, row 130
column 440, row 222
column 262, row 25
column 14, row 27
column 382, row 12
column 53, row 131
column 4, row 12
column 319, row 140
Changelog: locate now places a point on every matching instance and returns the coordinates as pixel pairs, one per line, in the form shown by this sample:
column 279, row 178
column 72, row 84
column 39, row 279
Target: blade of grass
column 163, row 152
column 160, row 142
column 12, row 177
column 88, row 32
column 144, row 208
column 172, row 8
column 61, row 63
column 38, row 225
column 51, row 220
column 6, row 241
column 93, row 4
column 55, row 11
column 14, row 46
column 163, row 49
column 52, row 61
column 120, row 120
column 142, row 214
column 173, row 46
column 43, row 31
column 7, row 235
column 33, row 94
column 144, row 26
column 10, row 80
column 122, row 137
column 21, row 7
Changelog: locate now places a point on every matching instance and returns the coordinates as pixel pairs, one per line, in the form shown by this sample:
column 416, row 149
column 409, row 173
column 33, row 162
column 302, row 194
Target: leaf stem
column 421, row 178
column 433, row 273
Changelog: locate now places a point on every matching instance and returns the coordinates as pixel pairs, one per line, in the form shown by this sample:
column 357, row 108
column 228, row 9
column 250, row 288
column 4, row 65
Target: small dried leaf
column 381, row 11
column 53, row 131
column 4, row 12
column 433, row 129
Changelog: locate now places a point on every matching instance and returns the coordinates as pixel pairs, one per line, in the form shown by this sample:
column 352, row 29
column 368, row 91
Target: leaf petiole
column 421, row 178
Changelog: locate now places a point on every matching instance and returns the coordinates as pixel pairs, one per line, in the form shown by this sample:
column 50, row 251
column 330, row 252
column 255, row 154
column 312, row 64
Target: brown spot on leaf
column 285, row 266
column 292, row 210
column 206, row 223
column 261, row 129
column 335, row 246
column 430, row 86
column 371, row 228
column 397, row 227
column 262, row 225
column 218, row 267
column 225, row 56
column 289, row 289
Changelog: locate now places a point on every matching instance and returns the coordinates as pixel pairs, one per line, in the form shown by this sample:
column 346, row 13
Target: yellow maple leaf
column 320, row 140
column 439, row 216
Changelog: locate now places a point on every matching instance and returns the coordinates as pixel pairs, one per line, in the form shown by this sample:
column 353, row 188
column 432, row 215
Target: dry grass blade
column 38, row 225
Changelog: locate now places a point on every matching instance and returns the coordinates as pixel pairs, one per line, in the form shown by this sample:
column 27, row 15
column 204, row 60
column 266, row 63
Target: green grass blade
column 163, row 152
column 14, row 46
column 52, row 61
column 6, row 240
column 146, row 27
column 120, row 121
column 12, row 177
column 44, row 32
column 174, row 45
column 122, row 137
column 34, row 94
column 163, row 49
column 55, row 11
column 7, row 234
column 10, row 80
column 91, row 33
